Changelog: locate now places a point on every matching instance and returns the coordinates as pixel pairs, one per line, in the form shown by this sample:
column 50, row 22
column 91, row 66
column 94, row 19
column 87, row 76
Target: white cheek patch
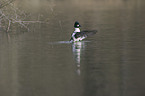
column 78, row 25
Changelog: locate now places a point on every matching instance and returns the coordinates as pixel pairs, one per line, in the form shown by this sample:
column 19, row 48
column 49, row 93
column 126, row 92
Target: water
column 43, row 62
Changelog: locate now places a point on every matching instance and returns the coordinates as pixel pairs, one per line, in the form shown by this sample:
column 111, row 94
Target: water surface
column 42, row 62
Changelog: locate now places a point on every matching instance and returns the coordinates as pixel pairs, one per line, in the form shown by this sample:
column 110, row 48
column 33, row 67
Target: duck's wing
column 85, row 33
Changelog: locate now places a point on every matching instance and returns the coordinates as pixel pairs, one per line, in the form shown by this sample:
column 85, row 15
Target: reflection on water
column 77, row 48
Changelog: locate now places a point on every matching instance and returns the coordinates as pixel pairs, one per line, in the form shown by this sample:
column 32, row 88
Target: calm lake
column 42, row 61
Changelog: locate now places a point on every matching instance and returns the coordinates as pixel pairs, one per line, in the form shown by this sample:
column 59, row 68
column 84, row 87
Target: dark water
column 43, row 63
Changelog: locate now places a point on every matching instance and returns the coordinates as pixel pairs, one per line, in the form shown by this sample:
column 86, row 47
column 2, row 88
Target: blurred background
column 37, row 59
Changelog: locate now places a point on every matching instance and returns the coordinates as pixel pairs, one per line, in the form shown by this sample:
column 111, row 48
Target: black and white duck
column 79, row 35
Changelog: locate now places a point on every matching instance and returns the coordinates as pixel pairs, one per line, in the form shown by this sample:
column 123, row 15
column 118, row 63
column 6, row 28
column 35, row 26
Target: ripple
column 65, row 42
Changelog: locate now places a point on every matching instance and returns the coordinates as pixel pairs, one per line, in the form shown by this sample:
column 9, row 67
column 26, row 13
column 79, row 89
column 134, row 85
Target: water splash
column 65, row 42
column 60, row 42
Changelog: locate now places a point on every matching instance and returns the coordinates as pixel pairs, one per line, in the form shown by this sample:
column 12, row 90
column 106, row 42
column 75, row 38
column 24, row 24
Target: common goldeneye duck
column 78, row 35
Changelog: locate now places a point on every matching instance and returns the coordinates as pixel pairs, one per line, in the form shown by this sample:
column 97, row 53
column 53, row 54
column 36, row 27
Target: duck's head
column 77, row 25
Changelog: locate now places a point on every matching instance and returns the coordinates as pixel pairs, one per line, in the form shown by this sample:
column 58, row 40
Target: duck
column 79, row 35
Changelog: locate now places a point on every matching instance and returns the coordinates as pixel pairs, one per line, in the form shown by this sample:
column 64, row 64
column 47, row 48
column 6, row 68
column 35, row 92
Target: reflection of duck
column 77, row 51
column 78, row 35
column 77, row 46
